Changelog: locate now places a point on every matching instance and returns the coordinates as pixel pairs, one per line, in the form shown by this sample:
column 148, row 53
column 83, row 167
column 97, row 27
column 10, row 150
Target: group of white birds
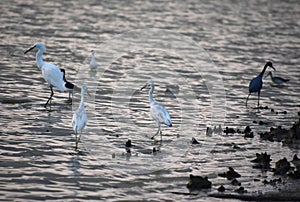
column 55, row 77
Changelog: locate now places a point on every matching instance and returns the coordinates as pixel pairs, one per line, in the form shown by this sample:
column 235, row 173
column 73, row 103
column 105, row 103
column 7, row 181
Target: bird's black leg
column 158, row 130
column 247, row 98
column 49, row 97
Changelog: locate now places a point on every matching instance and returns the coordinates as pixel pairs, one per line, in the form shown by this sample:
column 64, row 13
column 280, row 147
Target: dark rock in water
column 128, row 146
column 254, row 121
column 275, row 134
column 282, row 167
column 262, row 123
column 198, row 183
column 296, row 161
column 284, row 112
column 221, row 188
column 273, row 182
column 287, row 136
column 247, row 129
column 241, row 190
column 231, row 174
column 209, row 131
column 272, row 110
column 128, row 143
column 294, row 132
column 249, row 135
column 229, row 130
column 295, row 174
column 235, row 182
column 194, row 141
column 262, row 161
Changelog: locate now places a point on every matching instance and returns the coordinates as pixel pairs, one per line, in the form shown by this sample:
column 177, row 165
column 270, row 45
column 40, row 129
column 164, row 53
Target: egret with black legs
column 158, row 112
column 79, row 117
column 51, row 73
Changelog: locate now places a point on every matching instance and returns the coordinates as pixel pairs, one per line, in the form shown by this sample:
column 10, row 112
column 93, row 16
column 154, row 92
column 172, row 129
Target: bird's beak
column 29, row 49
column 144, row 87
column 273, row 68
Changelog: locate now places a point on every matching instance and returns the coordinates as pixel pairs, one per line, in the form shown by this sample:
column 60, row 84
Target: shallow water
column 196, row 53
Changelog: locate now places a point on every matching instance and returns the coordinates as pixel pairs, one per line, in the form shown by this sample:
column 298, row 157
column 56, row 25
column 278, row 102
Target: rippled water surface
column 200, row 55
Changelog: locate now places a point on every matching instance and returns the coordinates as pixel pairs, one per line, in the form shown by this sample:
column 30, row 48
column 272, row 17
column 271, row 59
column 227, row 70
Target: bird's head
column 36, row 45
column 269, row 64
column 93, row 52
column 149, row 84
column 84, row 89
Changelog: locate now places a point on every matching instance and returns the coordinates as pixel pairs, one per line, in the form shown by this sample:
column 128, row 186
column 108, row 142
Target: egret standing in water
column 52, row 73
column 79, row 117
column 276, row 79
column 158, row 112
column 93, row 63
column 256, row 83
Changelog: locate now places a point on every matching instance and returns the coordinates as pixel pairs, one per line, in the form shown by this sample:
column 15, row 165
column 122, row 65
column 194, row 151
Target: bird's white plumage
column 160, row 114
column 157, row 111
column 93, row 62
column 52, row 74
column 79, row 117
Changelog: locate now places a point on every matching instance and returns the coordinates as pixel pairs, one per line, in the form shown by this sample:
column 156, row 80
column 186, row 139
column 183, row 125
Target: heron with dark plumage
column 257, row 82
column 51, row 73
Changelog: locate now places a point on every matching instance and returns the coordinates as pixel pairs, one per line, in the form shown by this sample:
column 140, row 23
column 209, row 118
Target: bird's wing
column 53, row 75
column 160, row 114
column 79, row 120
column 255, row 84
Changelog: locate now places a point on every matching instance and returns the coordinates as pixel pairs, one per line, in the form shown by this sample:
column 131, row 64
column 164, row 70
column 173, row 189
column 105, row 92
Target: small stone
column 198, row 183
column 128, row 143
column 241, row 190
column 282, row 167
column 221, row 188
column 235, row 182
column 262, row 161
column 284, row 112
column 231, row 174
column 194, row 141
column 272, row 110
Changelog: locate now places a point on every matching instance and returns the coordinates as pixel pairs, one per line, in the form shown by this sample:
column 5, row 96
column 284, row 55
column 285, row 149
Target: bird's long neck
column 81, row 106
column 263, row 71
column 151, row 99
column 39, row 58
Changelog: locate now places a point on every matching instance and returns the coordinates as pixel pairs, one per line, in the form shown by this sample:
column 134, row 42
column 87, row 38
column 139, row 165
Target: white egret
column 52, row 73
column 158, row 112
column 79, row 117
column 257, row 83
column 276, row 79
column 93, row 63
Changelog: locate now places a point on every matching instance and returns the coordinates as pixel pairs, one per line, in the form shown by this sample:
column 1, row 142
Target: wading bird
column 79, row 117
column 158, row 112
column 68, row 85
column 256, row 83
column 52, row 73
column 93, row 62
column 276, row 79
